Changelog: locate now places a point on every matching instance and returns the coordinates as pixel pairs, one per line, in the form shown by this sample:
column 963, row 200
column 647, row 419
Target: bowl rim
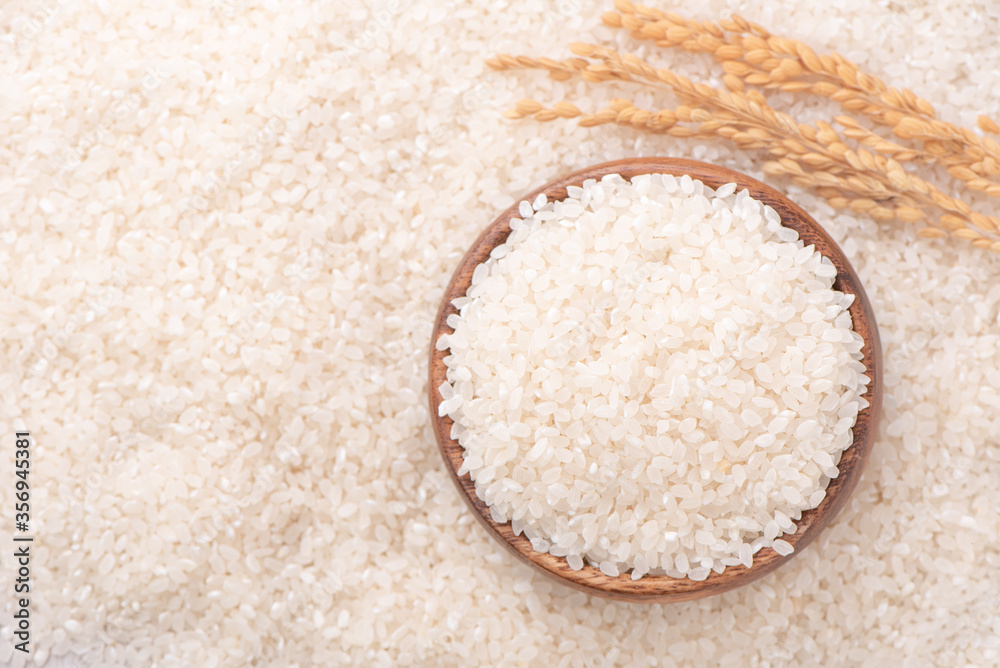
column 662, row 588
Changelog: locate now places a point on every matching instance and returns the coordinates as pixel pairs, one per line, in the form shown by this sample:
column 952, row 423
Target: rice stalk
column 854, row 168
column 750, row 55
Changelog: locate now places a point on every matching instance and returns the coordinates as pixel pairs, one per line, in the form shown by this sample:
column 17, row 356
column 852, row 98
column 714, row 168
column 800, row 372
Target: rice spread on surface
column 227, row 227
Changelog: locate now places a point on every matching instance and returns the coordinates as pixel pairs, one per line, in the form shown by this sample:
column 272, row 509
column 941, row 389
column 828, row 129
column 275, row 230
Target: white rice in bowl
column 652, row 376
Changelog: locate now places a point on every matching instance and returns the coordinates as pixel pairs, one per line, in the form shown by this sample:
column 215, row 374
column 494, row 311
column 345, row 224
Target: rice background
column 226, row 228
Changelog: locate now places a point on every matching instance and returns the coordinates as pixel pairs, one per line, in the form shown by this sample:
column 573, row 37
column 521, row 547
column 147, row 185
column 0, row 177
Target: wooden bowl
column 652, row 588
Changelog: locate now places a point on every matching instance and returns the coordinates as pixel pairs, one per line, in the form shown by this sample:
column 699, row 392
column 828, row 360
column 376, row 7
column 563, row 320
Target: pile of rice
column 652, row 376
column 226, row 227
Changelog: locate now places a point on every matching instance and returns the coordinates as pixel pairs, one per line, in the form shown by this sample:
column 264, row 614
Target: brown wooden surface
column 662, row 588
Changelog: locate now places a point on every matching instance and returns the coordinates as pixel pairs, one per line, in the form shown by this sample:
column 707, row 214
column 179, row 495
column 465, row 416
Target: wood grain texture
column 663, row 588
